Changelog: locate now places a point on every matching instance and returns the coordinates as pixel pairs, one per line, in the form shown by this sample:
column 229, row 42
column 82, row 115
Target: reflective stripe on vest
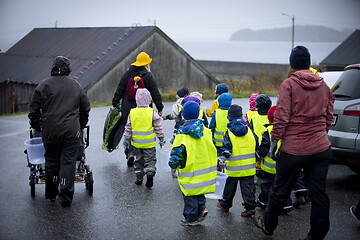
column 199, row 174
column 258, row 122
column 242, row 160
column 221, row 126
column 268, row 164
column 143, row 133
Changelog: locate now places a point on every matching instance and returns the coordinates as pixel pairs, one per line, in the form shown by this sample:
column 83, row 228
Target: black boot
column 149, row 181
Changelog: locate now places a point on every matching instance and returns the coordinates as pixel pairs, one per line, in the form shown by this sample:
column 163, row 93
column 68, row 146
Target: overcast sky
column 180, row 20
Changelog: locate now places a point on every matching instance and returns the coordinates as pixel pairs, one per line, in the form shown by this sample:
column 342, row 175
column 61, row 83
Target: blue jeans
column 193, row 205
column 288, row 168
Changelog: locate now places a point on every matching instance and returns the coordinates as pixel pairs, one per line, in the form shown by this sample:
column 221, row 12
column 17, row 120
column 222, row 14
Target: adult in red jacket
column 302, row 119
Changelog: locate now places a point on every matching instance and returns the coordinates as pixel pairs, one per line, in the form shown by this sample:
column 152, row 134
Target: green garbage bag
column 112, row 123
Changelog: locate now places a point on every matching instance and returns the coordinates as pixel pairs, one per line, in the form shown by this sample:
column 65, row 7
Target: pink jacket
column 304, row 113
column 143, row 99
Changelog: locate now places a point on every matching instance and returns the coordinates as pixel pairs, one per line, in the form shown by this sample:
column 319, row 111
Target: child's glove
column 126, row 143
column 162, row 141
column 272, row 150
column 221, row 162
column 173, row 173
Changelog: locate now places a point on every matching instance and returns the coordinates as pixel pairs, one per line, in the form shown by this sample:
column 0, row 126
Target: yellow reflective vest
column 258, row 122
column 250, row 114
column 199, row 174
column 221, row 121
column 268, row 164
column 241, row 163
column 143, row 133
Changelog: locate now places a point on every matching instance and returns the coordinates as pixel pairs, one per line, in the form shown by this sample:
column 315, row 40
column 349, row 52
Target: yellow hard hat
column 142, row 59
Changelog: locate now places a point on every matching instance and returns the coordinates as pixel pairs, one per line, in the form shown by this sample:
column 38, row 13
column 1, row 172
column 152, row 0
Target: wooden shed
column 98, row 58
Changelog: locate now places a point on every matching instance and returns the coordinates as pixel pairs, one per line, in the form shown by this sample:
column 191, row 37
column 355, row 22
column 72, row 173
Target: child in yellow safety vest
column 219, row 89
column 177, row 106
column 268, row 166
column 238, row 160
column 219, row 120
column 252, row 111
column 258, row 121
column 193, row 157
column 142, row 127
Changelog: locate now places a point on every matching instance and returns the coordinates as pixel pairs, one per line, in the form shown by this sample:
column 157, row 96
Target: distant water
column 251, row 51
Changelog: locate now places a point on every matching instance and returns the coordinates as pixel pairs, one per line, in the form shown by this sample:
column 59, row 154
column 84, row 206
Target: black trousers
column 247, row 187
column 60, row 165
column 288, row 168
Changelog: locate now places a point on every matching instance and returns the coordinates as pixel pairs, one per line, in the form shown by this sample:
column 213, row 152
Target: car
column 330, row 78
column 344, row 131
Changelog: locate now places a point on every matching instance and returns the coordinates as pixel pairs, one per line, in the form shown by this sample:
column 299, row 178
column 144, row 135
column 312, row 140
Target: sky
column 205, row 20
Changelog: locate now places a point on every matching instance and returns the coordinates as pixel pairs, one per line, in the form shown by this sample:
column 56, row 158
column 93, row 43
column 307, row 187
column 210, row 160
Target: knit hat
column 235, row 111
column 191, row 110
column 271, row 114
column 221, row 88
column 190, row 98
column 263, row 103
column 300, row 58
column 197, row 95
column 142, row 59
column 182, row 92
column 252, row 101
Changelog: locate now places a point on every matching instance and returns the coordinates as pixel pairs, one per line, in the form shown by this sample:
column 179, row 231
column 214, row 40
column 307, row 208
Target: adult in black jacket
column 140, row 67
column 59, row 108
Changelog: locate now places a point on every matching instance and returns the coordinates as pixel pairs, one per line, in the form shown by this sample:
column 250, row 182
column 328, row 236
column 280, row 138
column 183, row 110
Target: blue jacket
column 224, row 103
column 239, row 128
column 194, row 128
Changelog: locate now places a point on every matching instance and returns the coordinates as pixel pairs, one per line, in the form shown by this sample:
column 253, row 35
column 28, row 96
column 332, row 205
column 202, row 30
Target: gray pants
column 145, row 161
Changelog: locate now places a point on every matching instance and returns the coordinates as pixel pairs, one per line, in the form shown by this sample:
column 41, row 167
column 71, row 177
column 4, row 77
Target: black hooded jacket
column 59, row 106
column 149, row 82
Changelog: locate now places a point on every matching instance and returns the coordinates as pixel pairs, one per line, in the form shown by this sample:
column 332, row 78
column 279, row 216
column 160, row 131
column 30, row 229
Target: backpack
column 135, row 82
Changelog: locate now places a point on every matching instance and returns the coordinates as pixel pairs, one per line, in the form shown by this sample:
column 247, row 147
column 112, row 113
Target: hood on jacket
column 263, row 104
column 135, row 70
column 252, row 100
column 306, row 79
column 143, row 97
column 60, row 66
column 195, row 128
column 221, row 88
column 225, row 101
column 238, row 127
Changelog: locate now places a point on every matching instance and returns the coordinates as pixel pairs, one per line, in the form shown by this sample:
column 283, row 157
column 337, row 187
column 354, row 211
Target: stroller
column 36, row 161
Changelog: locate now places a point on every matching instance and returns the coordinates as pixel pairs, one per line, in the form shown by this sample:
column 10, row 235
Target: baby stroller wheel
column 89, row 182
column 32, row 185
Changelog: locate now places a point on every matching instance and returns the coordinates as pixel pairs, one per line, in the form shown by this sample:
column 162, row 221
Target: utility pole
column 293, row 28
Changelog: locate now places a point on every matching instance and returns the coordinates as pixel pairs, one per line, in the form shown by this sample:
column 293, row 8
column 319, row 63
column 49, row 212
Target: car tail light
column 353, row 110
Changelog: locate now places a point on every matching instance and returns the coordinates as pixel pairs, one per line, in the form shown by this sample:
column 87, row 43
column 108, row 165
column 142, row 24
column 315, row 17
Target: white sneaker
column 203, row 215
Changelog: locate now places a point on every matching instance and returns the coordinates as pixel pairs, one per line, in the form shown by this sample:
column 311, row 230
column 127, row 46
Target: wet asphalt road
column 119, row 209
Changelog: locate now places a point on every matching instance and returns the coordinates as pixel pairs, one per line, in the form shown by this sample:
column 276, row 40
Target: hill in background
column 302, row 34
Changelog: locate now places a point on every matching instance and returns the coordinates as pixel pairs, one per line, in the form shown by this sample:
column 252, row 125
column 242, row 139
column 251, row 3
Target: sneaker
column 221, row 207
column 203, row 215
column 248, row 213
column 352, row 211
column 130, row 160
column 149, row 181
column 138, row 181
column 288, row 209
column 259, row 222
column 187, row 223
column 299, row 201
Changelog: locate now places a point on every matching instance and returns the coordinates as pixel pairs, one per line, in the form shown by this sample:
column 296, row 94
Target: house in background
column 348, row 52
column 98, row 57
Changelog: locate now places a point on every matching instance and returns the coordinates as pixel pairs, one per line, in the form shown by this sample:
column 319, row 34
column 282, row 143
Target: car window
column 348, row 85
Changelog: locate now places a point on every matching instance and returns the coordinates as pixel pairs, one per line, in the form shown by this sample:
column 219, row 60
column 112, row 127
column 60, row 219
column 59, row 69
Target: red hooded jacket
column 304, row 113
